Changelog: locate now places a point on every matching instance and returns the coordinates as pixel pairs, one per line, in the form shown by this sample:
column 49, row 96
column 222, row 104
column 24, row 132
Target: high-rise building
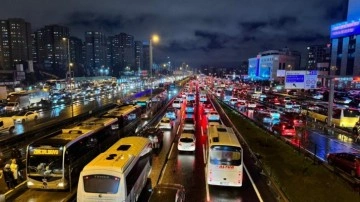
column 123, row 53
column 318, row 57
column 95, row 52
column 146, row 56
column 267, row 64
column 76, row 57
column 109, row 52
column 15, row 43
column 50, row 49
column 139, row 56
column 345, row 41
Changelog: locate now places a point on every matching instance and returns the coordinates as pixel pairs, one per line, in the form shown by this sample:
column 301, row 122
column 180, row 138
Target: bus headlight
column 61, row 184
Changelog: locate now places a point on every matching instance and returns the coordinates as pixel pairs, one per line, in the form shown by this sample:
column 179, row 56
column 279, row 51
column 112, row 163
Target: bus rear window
column 225, row 155
column 101, row 184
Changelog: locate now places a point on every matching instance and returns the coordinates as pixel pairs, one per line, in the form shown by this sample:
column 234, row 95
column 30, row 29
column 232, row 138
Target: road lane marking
column 254, row 185
column 162, row 173
column 204, row 154
column 172, row 147
column 177, row 132
column 207, row 187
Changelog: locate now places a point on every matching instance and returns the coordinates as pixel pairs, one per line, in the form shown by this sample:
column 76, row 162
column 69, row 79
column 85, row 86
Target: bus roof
column 70, row 135
column 121, row 110
column 119, row 156
column 222, row 135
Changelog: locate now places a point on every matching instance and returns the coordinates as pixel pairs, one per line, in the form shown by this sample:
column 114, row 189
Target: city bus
column 224, row 157
column 118, row 174
column 125, row 114
column 54, row 162
column 143, row 102
column 342, row 117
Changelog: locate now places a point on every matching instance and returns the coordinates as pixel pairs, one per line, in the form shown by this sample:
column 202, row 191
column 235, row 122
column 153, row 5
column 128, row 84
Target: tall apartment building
column 345, row 41
column 76, row 56
column 15, row 43
column 50, row 49
column 139, row 56
column 122, row 53
column 318, row 57
column 146, row 56
column 95, row 52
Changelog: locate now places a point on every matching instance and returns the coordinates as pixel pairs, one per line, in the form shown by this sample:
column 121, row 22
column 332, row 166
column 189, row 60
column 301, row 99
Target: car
column 288, row 105
column 7, row 124
column 292, row 92
column 171, row 113
column 251, row 105
column 165, row 123
column 189, row 107
column 233, row 101
column 348, row 162
column 168, row 192
column 342, row 100
column 294, row 118
column 207, row 107
column 177, row 103
column 187, row 141
column 189, row 124
column 283, row 129
column 213, row 116
column 190, row 96
column 274, row 114
column 266, row 118
column 155, row 135
column 24, row 116
column 203, row 98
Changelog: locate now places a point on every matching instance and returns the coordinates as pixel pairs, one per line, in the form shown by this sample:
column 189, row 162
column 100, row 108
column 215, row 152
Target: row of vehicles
column 286, row 125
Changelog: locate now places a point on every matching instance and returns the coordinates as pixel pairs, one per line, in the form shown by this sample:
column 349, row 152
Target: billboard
column 300, row 79
column 345, row 29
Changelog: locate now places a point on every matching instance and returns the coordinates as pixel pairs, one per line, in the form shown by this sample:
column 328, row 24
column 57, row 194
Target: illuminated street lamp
column 154, row 39
column 68, row 75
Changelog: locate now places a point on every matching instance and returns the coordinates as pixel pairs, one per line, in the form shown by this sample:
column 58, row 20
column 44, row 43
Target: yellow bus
column 342, row 117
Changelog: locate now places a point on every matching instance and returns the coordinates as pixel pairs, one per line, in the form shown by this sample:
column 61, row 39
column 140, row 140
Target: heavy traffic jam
column 147, row 149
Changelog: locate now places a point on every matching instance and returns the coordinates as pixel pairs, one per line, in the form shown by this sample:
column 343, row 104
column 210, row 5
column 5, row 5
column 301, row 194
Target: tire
column 23, row 121
column 11, row 130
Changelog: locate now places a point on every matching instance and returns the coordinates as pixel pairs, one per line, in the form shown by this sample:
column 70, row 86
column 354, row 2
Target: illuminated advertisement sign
column 47, row 152
column 345, row 29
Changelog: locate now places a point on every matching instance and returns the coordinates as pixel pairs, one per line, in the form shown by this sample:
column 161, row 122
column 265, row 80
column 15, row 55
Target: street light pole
column 154, row 39
column 69, row 74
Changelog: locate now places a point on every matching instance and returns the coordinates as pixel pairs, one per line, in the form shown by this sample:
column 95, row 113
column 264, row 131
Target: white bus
column 224, row 157
column 119, row 174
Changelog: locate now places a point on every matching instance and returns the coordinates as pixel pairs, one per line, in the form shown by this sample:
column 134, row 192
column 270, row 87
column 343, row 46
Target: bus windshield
column 109, row 184
column 225, row 155
column 44, row 165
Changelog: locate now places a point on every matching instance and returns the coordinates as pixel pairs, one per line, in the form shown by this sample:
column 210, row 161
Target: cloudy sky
column 198, row 32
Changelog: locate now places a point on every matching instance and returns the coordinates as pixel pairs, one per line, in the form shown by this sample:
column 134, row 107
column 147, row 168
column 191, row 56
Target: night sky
column 219, row 33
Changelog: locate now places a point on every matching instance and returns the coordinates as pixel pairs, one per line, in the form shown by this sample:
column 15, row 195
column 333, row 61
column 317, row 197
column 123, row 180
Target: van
column 7, row 124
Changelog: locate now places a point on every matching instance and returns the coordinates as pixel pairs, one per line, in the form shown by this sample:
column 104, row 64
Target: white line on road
column 172, row 147
column 207, row 187
column 177, row 132
column 254, row 185
column 162, row 173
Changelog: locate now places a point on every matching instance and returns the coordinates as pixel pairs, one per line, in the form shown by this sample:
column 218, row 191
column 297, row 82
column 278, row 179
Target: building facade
column 50, row 49
column 123, row 53
column 15, row 43
column 76, row 57
column 267, row 64
column 139, row 56
column 318, row 57
column 95, row 53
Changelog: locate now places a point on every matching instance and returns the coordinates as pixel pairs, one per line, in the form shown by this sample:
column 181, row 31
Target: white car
column 233, row 101
column 23, row 117
column 165, row 123
column 213, row 116
column 251, row 104
column 189, row 124
column 187, row 141
column 177, row 104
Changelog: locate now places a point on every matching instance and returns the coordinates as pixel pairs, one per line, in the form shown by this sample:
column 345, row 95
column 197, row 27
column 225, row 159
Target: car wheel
column 23, row 121
column 11, row 130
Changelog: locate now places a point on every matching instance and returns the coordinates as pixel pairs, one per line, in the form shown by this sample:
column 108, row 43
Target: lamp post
column 154, row 39
column 331, row 94
column 69, row 74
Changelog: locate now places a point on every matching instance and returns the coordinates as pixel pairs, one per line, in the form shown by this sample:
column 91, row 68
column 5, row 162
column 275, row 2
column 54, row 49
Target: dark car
column 349, row 162
column 168, row 193
column 294, row 118
column 283, row 129
column 155, row 135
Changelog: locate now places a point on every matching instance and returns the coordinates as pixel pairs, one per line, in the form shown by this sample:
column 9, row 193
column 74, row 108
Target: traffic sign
column 300, row 79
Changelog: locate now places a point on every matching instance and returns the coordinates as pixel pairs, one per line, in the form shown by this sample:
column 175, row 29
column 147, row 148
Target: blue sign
column 313, row 72
column 345, row 29
column 294, row 78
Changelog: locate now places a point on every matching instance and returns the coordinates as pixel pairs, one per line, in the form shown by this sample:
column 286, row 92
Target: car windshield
column 188, row 131
column 165, row 120
column 21, row 114
column 186, row 139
